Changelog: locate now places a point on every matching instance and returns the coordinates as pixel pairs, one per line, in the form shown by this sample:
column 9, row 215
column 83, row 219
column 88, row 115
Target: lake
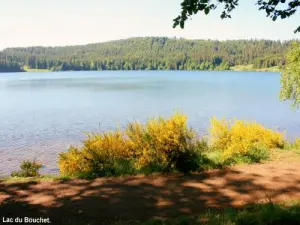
column 41, row 114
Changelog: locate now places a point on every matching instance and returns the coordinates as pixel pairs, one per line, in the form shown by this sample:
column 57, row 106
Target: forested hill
column 149, row 53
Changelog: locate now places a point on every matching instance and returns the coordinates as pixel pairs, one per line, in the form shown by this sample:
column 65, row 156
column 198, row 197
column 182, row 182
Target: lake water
column 41, row 114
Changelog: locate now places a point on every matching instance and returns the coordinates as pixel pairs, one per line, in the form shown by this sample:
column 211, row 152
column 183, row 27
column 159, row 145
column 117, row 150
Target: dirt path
column 141, row 197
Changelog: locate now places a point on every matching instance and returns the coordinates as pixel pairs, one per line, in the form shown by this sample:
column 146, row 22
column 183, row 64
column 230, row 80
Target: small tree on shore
column 290, row 78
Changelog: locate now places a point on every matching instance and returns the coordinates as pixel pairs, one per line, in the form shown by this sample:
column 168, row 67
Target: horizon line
column 168, row 37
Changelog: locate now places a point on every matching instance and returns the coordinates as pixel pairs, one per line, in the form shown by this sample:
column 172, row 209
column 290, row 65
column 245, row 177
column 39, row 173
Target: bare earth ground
column 143, row 197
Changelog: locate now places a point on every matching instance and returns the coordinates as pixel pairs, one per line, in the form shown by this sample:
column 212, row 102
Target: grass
column 264, row 214
column 258, row 214
column 46, row 177
column 250, row 68
column 27, row 69
column 214, row 159
column 285, row 155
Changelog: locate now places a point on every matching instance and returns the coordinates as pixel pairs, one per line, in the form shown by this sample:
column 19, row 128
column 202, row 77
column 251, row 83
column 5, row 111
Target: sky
column 72, row 22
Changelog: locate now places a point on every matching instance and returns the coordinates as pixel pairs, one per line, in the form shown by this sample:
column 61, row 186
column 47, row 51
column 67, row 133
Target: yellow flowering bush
column 101, row 154
column 241, row 137
column 168, row 144
column 160, row 144
column 72, row 162
column 219, row 133
column 161, row 141
column 296, row 143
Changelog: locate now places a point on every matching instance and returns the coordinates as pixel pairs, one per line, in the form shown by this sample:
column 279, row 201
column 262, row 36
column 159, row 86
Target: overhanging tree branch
column 271, row 7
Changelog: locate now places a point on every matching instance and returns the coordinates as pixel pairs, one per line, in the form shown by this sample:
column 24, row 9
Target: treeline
column 9, row 66
column 149, row 53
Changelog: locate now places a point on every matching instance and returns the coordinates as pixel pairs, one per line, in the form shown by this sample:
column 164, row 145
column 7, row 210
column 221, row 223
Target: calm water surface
column 41, row 114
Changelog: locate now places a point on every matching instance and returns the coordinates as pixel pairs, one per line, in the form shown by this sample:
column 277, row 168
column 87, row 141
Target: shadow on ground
column 143, row 197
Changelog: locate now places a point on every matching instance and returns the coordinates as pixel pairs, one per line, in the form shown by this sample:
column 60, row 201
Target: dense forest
column 148, row 53
column 10, row 66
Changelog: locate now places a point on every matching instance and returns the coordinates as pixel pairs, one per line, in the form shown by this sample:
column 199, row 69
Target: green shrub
column 295, row 145
column 28, row 169
column 102, row 155
column 163, row 145
column 243, row 140
column 188, row 161
column 255, row 154
column 159, row 145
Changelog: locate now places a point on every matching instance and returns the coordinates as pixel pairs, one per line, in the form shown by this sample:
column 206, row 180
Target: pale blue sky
column 71, row 22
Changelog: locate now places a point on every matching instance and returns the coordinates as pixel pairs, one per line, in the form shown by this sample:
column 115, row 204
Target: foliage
column 162, row 142
column 150, row 53
column 40, row 178
column 159, row 145
column 216, row 159
column 163, row 145
column 72, row 162
column 290, row 79
column 102, row 155
column 243, row 139
column 9, row 66
column 28, row 169
column 255, row 154
column 295, row 145
column 273, row 8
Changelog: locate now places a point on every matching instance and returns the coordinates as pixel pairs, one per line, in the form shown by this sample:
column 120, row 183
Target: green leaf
column 206, row 11
column 297, row 30
column 182, row 24
column 201, row 6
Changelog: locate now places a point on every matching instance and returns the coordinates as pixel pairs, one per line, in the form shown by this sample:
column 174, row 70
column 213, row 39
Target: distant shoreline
column 150, row 53
column 239, row 68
